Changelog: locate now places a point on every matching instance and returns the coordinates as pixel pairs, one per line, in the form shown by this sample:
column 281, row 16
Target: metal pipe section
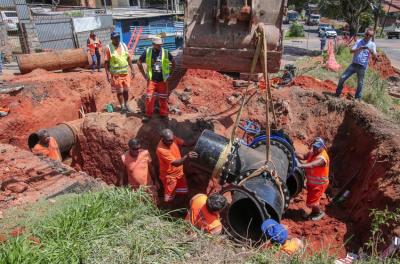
column 65, row 135
column 257, row 198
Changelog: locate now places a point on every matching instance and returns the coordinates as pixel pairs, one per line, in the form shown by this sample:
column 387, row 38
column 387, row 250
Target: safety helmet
column 115, row 34
column 319, row 143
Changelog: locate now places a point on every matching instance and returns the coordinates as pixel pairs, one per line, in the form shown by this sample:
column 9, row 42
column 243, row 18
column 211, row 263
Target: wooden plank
column 227, row 60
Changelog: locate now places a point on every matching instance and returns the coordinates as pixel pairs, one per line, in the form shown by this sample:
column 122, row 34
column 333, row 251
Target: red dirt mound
column 383, row 66
column 311, row 83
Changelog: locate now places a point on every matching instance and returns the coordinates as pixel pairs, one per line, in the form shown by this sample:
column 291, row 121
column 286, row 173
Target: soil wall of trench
column 363, row 145
column 364, row 148
column 50, row 98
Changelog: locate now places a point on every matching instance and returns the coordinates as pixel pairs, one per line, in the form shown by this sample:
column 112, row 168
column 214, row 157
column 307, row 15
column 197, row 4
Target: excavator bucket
column 220, row 34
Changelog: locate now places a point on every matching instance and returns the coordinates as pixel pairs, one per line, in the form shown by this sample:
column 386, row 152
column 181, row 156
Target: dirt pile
column 311, row 83
column 50, row 98
column 26, row 178
column 362, row 143
column 363, row 146
column 383, row 66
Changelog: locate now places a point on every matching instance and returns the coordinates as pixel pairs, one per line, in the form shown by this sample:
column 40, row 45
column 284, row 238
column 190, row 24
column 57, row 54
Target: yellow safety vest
column 119, row 62
column 164, row 63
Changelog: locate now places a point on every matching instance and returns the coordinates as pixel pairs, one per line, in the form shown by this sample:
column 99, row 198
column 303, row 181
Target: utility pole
column 376, row 13
column 384, row 21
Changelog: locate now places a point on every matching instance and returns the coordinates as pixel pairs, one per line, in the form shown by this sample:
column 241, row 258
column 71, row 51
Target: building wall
column 120, row 3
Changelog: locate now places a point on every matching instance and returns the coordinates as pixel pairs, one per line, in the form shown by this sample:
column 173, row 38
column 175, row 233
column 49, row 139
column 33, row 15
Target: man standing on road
column 362, row 50
column 94, row 48
column 117, row 60
column 158, row 71
column 171, row 165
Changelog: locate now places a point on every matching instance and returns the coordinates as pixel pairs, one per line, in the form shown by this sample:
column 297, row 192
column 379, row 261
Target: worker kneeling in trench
column 204, row 212
column 47, row 146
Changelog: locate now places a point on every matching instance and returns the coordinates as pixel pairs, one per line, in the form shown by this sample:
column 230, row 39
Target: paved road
column 311, row 42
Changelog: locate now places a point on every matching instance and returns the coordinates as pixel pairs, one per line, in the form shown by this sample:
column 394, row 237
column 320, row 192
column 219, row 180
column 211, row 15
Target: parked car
column 327, row 30
column 393, row 31
column 11, row 20
column 313, row 20
column 292, row 16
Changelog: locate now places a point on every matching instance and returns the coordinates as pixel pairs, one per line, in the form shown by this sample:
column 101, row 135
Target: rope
column 274, row 176
column 222, row 159
column 261, row 50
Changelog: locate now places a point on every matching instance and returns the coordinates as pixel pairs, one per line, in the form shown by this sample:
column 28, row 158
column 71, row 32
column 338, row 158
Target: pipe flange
column 283, row 148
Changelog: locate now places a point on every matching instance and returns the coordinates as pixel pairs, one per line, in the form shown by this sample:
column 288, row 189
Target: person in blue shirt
column 362, row 50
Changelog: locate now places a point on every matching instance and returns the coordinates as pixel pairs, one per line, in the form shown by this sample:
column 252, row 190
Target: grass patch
column 121, row 226
column 375, row 90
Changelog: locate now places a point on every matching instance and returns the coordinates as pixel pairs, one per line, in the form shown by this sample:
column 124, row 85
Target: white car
column 328, row 31
column 11, row 20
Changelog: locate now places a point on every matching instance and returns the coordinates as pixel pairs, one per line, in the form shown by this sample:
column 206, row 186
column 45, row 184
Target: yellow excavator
column 221, row 35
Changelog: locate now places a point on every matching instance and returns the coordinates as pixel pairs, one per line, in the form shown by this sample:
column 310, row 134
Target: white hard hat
column 157, row 41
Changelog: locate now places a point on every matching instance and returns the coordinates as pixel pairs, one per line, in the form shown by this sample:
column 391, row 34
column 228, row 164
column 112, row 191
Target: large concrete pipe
column 64, row 134
column 54, row 60
column 253, row 200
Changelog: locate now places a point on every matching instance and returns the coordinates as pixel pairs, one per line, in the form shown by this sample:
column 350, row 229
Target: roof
column 130, row 13
column 393, row 4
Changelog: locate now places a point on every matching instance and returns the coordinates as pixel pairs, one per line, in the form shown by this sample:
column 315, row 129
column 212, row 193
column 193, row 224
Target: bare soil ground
column 363, row 144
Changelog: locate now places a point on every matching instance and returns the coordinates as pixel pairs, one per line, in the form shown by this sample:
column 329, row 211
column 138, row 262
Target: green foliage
column 116, row 225
column 292, row 7
column 381, row 219
column 366, row 20
column 295, row 30
column 121, row 226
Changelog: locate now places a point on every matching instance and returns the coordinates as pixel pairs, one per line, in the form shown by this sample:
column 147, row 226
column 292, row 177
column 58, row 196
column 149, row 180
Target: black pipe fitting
column 251, row 200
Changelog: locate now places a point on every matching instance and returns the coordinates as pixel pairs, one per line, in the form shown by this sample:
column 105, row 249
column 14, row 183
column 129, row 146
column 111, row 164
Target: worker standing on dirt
column 317, row 175
column 94, row 47
column 362, row 50
column 204, row 212
column 117, row 60
column 171, row 165
column 158, row 71
column 138, row 170
column 47, row 146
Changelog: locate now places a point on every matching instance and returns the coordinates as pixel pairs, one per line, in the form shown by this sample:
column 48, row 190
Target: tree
column 353, row 11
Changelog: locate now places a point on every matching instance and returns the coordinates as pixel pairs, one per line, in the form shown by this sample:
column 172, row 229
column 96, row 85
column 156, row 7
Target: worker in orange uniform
column 117, row 61
column 138, row 170
column 204, row 212
column 47, row 146
column 171, row 165
column 317, row 175
column 94, row 47
column 158, row 71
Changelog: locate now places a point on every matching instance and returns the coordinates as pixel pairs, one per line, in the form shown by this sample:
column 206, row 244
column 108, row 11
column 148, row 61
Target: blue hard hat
column 115, row 34
column 319, row 143
column 274, row 231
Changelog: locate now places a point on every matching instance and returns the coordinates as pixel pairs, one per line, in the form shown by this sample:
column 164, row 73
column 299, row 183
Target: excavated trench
column 364, row 146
